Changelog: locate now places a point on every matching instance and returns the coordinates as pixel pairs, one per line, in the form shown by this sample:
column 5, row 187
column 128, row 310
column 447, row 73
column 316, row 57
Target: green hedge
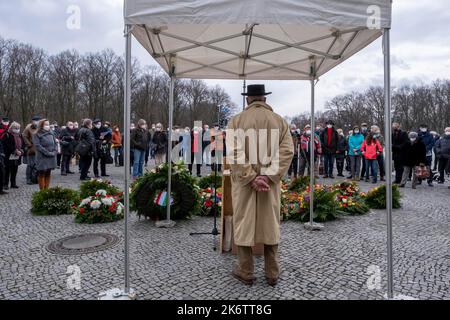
column 54, row 201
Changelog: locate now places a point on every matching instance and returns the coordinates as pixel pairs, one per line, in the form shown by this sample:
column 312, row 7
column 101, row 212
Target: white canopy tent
column 255, row 40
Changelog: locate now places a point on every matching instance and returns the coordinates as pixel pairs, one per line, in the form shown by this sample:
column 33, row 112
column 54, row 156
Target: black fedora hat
column 256, row 90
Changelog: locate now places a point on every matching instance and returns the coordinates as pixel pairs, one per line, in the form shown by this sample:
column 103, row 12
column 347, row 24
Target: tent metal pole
column 311, row 158
column 169, row 154
column 388, row 139
column 127, row 121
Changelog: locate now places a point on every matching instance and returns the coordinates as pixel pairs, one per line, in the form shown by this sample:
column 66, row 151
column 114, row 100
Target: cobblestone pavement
column 170, row 264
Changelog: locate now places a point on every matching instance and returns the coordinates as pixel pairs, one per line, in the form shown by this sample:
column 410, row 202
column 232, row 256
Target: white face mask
column 71, row 127
column 423, row 129
column 308, row 132
column 447, row 133
column 47, row 128
column 356, row 131
column 329, row 126
column 413, row 139
column 16, row 131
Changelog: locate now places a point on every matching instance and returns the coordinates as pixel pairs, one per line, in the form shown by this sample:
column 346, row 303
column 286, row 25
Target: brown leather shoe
column 245, row 280
column 272, row 282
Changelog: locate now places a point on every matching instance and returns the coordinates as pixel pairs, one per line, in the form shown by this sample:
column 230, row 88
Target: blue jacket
column 428, row 140
column 355, row 142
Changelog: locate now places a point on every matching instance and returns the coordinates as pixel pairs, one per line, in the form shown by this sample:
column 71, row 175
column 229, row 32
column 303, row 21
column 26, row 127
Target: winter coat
column 86, row 136
column 341, row 147
column 67, row 141
column 3, row 130
column 102, row 138
column 116, row 139
column 305, row 147
column 46, row 150
column 442, row 147
column 9, row 148
column 332, row 147
column 355, row 142
column 370, row 151
column 160, row 142
column 413, row 154
column 256, row 215
column 139, row 139
column 27, row 136
column 428, row 140
column 2, row 158
column 399, row 139
column 295, row 140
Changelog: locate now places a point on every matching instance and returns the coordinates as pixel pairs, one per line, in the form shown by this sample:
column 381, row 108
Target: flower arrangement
column 208, row 181
column 207, row 201
column 89, row 188
column 376, row 198
column 54, row 201
column 185, row 196
column 100, row 208
column 350, row 199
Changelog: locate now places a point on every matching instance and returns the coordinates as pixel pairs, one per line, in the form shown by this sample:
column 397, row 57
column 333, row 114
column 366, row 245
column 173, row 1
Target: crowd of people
column 44, row 146
column 361, row 153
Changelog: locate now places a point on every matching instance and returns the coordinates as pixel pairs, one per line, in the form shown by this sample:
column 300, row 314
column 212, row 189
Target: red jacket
column 370, row 150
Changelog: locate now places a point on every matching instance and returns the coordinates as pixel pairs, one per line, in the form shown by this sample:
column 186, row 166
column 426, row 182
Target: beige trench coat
column 256, row 217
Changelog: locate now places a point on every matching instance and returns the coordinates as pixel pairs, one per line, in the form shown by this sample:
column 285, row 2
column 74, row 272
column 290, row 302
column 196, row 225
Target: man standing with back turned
column 260, row 151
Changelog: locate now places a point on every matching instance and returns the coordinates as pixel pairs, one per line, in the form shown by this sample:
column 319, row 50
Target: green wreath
column 146, row 189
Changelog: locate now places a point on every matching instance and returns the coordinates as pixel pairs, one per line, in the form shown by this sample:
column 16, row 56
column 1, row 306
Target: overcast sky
column 420, row 39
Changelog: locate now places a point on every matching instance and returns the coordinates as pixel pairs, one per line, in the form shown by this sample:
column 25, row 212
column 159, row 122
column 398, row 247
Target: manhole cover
column 82, row 244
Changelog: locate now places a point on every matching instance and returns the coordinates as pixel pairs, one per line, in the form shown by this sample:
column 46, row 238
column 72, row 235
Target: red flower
column 81, row 211
column 208, row 203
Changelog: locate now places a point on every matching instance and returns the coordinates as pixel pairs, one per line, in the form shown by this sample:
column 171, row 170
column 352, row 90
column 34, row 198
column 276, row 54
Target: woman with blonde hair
column 46, row 152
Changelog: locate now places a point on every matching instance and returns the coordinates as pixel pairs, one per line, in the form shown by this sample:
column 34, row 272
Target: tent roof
column 254, row 39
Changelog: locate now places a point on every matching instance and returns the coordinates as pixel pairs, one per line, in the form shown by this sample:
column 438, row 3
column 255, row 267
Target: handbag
column 422, row 172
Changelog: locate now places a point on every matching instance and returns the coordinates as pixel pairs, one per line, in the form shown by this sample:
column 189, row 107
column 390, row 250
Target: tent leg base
column 314, row 226
column 117, row 294
column 165, row 224
column 399, row 297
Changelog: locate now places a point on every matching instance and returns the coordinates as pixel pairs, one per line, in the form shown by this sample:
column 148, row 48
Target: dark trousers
column 118, row 155
column 31, row 162
column 85, row 164
column 340, row 165
column 398, row 166
column 199, row 169
column 1, row 176
column 293, row 168
column 102, row 162
column 147, row 155
column 380, row 160
column 372, row 165
column 443, row 164
column 328, row 164
column 65, row 163
column 10, row 174
column 363, row 169
column 58, row 160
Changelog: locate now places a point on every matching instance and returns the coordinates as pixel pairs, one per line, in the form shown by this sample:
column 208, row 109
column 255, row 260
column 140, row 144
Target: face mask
column 308, row 132
column 71, row 127
column 5, row 124
column 375, row 135
column 329, row 126
column 413, row 139
column 47, row 128
column 356, row 131
column 16, row 131
column 98, row 126
column 424, row 130
column 158, row 129
column 34, row 123
column 447, row 133
column 364, row 129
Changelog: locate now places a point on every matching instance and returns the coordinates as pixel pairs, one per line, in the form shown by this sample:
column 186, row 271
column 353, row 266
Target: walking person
column 30, row 149
column 413, row 154
column 86, row 148
column 117, row 146
column 68, row 144
column 160, row 142
column 355, row 142
column 341, row 152
column 399, row 139
column 443, row 152
column 256, row 188
column 46, row 152
column 139, row 143
column 13, row 149
column 370, row 149
column 329, row 140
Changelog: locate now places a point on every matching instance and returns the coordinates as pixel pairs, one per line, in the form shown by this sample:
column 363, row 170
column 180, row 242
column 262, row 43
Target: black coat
column 86, row 136
column 329, row 148
column 68, row 141
column 399, row 139
column 341, row 147
column 413, row 154
column 139, row 139
column 160, row 142
column 442, row 147
column 9, row 147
